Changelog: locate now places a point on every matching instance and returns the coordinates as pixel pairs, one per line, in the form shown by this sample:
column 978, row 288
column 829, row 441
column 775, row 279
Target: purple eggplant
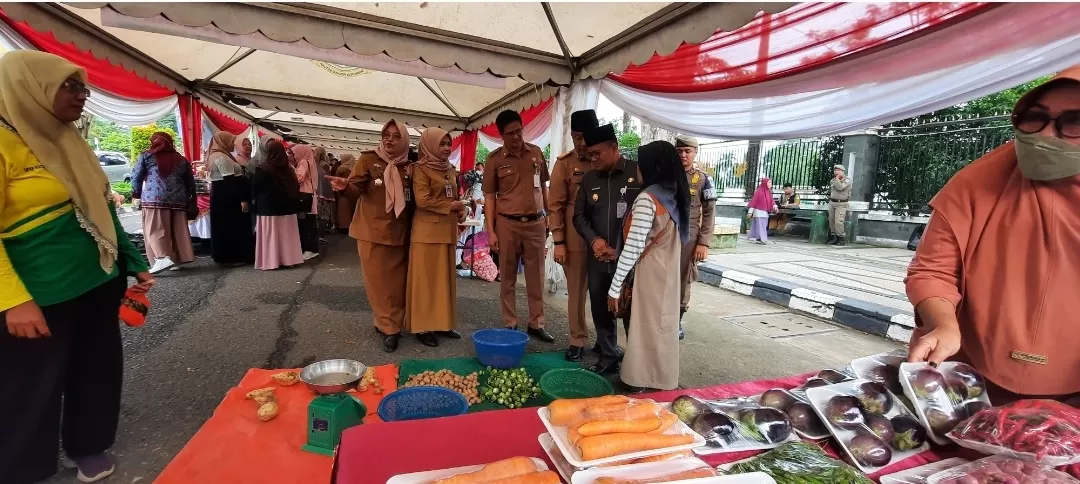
column 881, row 427
column 845, row 411
column 777, row 398
column 875, row 398
column 869, row 451
column 908, row 433
column 972, row 381
column 805, row 420
column 927, row 382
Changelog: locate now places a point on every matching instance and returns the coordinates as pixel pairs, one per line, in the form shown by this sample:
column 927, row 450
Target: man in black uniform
column 603, row 202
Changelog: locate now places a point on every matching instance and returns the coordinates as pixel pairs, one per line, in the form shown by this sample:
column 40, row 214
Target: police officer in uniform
column 702, row 219
column 603, row 203
column 515, row 195
column 570, row 250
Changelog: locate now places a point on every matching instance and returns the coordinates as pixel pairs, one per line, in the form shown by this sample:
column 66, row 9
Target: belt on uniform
column 837, row 200
column 524, row 218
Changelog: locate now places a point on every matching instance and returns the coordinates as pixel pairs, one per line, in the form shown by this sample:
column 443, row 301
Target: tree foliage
column 793, row 161
column 917, row 156
column 140, row 138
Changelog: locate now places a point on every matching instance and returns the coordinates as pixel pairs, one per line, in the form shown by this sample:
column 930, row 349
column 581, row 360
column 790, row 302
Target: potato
column 262, row 395
column 286, row 378
column 268, row 411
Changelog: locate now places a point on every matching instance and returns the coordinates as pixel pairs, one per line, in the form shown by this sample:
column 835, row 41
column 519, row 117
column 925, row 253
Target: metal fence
column 914, row 162
column 737, row 167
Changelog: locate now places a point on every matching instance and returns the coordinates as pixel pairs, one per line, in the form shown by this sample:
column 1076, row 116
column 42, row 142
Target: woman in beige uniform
column 432, row 288
column 380, row 179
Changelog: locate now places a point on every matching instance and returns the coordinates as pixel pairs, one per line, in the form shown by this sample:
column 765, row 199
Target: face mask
column 1044, row 158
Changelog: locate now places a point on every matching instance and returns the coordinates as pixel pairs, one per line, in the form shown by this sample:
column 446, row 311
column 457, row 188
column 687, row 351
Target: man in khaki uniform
column 515, row 195
column 839, row 195
column 570, row 251
column 702, row 219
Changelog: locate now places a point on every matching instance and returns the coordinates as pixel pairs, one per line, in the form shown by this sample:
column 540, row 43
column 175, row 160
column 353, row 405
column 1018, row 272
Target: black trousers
column 78, row 372
column 309, row 232
column 607, row 335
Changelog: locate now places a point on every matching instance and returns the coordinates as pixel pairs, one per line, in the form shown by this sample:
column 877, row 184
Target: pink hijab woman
column 759, row 208
column 306, row 174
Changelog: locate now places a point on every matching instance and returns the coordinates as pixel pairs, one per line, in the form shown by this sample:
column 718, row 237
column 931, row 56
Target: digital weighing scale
column 328, row 416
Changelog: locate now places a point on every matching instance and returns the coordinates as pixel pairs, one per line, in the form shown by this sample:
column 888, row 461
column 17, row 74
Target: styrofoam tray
column 426, row 477
column 709, row 450
column 757, row 399
column 561, row 465
column 651, row 470
column 921, row 474
column 819, row 398
column 911, row 368
column 574, row 457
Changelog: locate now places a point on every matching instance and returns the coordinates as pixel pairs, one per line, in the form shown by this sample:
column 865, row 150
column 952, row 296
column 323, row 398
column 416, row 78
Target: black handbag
column 305, row 201
column 192, row 210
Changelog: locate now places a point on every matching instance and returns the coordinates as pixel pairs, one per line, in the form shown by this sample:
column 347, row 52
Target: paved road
column 863, row 272
column 132, row 222
column 208, row 326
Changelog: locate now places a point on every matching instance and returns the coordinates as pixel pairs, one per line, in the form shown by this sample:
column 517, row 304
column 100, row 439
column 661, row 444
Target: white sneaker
column 161, row 264
column 310, row 255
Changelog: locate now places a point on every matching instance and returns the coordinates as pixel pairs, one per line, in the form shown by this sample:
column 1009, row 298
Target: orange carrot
column 565, row 411
column 686, row 454
column 542, row 477
column 678, row 476
column 514, row 466
column 608, row 445
column 633, row 411
column 639, row 426
column 669, row 420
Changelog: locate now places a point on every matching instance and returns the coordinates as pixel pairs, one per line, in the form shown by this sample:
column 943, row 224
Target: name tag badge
column 1029, row 357
column 408, row 194
column 536, row 181
column 620, row 209
column 449, row 191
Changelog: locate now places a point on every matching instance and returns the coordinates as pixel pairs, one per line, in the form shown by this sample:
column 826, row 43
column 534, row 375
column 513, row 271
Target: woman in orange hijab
column 381, row 181
column 431, row 306
column 996, row 273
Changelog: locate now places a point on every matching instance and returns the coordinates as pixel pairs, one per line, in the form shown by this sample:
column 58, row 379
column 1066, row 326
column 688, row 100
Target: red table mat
column 374, row 454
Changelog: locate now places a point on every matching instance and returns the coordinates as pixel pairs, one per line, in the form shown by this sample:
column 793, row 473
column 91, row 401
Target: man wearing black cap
column 515, row 195
column 702, row 219
column 570, row 251
column 603, row 203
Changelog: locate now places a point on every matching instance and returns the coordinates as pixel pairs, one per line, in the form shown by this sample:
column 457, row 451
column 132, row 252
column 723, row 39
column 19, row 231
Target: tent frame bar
column 330, row 103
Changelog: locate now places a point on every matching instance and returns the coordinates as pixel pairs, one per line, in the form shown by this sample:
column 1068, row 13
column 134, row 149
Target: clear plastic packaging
column 803, row 419
column 733, row 425
column 870, row 423
column 943, row 396
column 999, row 469
column 678, row 470
column 921, row 474
column 799, row 463
column 883, row 368
column 823, row 378
column 610, row 429
column 1043, row 431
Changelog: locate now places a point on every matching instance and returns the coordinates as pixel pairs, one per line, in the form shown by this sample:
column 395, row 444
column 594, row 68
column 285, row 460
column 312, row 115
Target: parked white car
column 116, row 165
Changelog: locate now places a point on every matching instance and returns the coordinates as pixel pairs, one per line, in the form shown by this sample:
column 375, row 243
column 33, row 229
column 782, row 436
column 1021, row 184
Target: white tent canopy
column 453, row 65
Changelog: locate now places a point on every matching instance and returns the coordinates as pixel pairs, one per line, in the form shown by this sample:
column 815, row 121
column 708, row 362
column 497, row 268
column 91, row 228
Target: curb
column 867, row 317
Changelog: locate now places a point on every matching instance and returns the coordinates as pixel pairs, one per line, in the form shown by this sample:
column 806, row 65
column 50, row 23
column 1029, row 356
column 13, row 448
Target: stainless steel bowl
column 332, row 376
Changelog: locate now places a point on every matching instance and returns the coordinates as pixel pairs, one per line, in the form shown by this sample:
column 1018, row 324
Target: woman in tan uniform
column 381, row 181
column 346, row 205
column 432, row 288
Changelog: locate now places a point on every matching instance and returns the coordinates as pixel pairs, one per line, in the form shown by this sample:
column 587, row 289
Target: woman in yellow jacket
column 64, row 262
column 431, row 297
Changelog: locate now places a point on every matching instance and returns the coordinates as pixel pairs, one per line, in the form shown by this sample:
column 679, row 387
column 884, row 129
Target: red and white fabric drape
column 823, row 69
column 116, row 94
column 536, row 126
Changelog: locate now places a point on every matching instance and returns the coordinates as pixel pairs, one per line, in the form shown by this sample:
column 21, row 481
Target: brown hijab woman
column 431, row 306
column 381, row 181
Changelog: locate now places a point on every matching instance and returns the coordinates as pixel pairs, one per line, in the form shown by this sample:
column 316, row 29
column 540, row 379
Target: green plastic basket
column 574, row 383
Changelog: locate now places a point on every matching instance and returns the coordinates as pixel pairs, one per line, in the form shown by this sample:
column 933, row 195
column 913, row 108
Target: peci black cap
column 601, row 134
column 584, row 120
